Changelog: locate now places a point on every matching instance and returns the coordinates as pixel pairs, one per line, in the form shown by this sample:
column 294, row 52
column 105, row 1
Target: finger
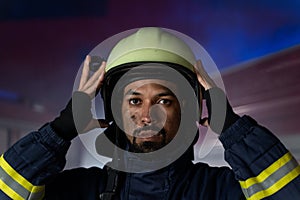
column 199, row 72
column 85, row 71
column 204, row 122
column 102, row 67
column 102, row 73
column 95, row 81
column 92, row 81
column 103, row 123
column 96, row 123
column 204, row 79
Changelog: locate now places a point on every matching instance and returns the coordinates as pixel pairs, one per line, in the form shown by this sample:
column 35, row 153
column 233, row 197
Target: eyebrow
column 166, row 94
column 132, row 92
column 162, row 94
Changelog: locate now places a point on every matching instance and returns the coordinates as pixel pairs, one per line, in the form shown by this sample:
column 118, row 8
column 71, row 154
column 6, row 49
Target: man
column 152, row 90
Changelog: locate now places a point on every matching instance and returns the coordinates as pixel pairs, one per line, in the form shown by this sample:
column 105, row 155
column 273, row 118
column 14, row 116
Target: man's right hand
column 77, row 116
column 91, row 86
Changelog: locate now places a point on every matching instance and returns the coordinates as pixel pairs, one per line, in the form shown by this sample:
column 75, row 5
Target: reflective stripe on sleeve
column 272, row 179
column 16, row 186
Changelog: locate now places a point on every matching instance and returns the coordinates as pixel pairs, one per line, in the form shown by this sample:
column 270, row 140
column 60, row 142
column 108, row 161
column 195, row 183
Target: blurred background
column 255, row 44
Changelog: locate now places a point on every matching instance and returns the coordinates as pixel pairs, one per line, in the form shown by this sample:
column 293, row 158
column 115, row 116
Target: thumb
column 204, row 122
column 96, row 123
column 103, row 123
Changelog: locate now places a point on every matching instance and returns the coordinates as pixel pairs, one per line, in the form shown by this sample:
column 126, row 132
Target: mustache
column 149, row 128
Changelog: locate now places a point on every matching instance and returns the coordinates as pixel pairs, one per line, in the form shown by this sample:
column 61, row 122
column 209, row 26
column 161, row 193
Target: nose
column 146, row 114
column 152, row 114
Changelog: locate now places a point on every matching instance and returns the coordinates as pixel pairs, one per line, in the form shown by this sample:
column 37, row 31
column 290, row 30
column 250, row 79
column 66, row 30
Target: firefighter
column 152, row 88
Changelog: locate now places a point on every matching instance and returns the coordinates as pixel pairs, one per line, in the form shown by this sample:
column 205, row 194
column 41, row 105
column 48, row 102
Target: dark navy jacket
column 262, row 168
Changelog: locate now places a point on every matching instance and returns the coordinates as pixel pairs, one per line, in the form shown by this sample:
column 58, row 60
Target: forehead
column 154, row 83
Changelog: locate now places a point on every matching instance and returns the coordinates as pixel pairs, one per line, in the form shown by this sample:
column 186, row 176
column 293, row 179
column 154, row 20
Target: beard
column 149, row 146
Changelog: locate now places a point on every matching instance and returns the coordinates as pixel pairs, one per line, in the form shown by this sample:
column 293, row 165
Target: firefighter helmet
column 147, row 45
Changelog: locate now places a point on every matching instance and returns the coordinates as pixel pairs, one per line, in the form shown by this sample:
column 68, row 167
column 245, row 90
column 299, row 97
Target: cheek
column 173, row 121
column 175, row 114
column 128, row 120
column 125, row 117
column 128, row 112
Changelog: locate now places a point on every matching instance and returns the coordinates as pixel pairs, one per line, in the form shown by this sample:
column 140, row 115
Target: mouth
column 148, row 132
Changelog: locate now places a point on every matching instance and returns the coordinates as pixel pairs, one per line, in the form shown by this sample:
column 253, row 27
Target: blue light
column 9, row 96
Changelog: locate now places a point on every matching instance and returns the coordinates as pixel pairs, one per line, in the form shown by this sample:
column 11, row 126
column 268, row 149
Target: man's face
column 150, row 114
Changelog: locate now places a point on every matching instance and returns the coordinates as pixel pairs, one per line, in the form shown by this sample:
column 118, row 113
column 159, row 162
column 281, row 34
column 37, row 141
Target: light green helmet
column 151, row 44
column 147, row 45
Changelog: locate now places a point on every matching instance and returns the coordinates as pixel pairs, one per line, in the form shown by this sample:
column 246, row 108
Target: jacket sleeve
column 25, row 166
column 264, row 167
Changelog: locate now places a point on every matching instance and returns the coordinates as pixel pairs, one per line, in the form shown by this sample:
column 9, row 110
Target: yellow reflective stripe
column 272, row 179
column 9, row 192
column 13, row 184
column 18, row 178
column 270, row 170
column 277, row 186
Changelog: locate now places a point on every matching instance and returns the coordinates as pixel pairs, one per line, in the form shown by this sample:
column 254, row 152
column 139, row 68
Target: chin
column 148, row 146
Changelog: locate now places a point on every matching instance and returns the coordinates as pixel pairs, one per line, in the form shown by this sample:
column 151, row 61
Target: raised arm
column 263, row 166
column 26, row 166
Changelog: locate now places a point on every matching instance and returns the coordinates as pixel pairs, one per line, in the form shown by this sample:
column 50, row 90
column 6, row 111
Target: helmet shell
column 151, row 44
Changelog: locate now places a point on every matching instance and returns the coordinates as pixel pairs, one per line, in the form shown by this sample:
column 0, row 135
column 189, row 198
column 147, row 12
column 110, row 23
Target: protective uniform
column 261, row 167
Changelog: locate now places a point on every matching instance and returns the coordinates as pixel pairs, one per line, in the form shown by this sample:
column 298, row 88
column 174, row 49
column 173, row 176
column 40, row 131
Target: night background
column 42, row 44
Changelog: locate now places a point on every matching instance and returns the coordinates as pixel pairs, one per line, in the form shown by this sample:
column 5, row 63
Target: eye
column 164, row 101
column 134, row 101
